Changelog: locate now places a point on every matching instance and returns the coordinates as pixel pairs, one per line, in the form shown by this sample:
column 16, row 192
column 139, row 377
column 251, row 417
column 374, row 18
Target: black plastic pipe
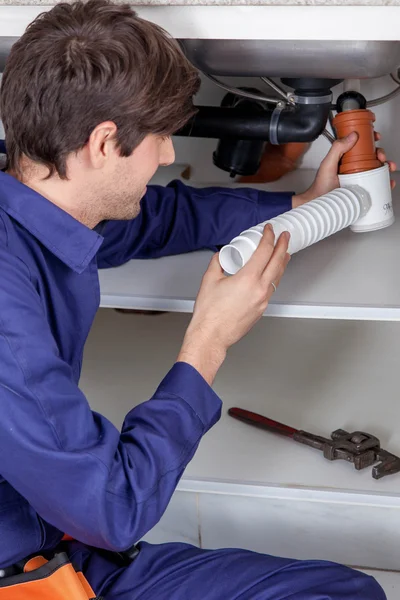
column 302, row 123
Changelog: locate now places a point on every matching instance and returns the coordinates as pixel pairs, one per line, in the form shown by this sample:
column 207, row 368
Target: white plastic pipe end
column 236, row 254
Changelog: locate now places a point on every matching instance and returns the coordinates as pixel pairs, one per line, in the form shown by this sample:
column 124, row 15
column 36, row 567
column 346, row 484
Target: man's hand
column 327, row 176
column 227, row 307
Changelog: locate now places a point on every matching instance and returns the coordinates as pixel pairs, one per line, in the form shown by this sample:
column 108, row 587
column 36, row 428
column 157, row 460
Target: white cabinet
column 268, row 22
column 314, row 375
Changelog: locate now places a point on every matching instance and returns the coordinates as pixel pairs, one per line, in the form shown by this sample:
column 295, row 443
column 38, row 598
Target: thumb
column 340, row 147
column 214, row 269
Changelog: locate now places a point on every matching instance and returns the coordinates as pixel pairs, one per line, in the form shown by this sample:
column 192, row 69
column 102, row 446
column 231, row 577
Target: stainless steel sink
column 253, row 58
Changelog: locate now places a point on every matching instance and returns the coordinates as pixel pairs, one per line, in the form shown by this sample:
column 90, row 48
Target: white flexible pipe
column 307, row 225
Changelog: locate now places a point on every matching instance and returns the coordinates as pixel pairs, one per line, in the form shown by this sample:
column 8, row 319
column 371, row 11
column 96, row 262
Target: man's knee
column 372, row 589
column 352, row 583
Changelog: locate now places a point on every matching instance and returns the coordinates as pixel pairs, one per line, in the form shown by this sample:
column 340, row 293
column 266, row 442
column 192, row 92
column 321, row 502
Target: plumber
column 89, row 99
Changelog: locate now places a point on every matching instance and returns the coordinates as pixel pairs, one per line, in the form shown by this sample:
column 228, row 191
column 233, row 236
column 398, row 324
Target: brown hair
column 84, row 63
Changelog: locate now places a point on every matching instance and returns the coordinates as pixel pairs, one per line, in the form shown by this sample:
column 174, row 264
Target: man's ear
column 101, row 144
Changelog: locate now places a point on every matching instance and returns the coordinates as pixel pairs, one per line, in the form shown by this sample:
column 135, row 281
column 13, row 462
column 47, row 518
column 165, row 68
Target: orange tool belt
column 42, row 579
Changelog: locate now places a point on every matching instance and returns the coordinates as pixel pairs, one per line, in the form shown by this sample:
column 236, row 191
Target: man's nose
column 167, row 152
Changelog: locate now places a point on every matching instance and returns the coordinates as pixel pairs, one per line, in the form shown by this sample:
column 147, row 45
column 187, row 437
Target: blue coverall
column 66, row 469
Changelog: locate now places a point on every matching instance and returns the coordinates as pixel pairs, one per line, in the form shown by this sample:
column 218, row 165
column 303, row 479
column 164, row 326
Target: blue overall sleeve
column 178, row 218
column 102, row 486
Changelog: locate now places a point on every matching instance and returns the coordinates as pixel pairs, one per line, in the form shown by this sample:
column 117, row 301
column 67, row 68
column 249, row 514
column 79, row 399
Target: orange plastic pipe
column 276, row 162
column 362, row 157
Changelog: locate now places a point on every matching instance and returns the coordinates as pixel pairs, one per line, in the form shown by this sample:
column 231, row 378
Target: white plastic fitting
column 377, row 183
column 307, row 225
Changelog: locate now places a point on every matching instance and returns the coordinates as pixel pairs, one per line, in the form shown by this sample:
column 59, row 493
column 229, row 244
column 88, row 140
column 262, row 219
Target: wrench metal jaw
column 359, row 448
column 389, row 464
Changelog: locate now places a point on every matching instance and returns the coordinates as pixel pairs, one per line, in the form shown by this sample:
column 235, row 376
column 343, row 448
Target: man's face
column 129, row 177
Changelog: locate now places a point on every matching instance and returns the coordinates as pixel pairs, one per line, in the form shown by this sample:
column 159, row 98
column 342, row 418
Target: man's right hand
column 227, row 307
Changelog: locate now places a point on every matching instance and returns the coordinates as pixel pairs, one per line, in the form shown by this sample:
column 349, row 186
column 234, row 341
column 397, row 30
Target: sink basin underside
column 326, row 59
column 280, row 58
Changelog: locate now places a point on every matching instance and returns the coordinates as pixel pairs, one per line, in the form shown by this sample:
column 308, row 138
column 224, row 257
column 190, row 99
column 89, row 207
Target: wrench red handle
column 262, row 422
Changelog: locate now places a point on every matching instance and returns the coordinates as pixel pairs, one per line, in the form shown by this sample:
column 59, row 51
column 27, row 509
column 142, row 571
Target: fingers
column 381, row 154
column 279, row 259
column 214, row 270
column 279, row 276
column 377, row 136
column 264, row 251
column 269, row 262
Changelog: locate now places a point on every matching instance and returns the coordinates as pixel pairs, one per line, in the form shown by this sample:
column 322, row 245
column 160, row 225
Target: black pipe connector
column 350, row 101
column 303, row 123
column 300, row 123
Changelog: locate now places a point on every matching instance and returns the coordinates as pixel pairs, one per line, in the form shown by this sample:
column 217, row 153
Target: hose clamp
column 327, row 99
column 273, row 126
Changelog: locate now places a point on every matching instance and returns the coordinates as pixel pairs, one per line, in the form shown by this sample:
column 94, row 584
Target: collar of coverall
column 68, row 239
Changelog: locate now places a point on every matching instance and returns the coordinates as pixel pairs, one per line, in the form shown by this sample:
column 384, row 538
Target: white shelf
column 347, row 276
column 314, row 375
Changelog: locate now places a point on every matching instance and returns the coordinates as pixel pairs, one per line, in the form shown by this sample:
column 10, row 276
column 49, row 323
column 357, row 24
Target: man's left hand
column 327, row 176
